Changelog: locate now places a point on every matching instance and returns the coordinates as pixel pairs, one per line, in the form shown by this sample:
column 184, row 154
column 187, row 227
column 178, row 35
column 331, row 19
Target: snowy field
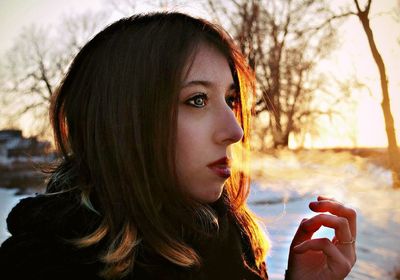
column 284, row 185
column 290, row 181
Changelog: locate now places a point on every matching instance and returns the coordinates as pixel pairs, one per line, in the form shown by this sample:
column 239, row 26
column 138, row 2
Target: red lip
column 221, row 167
column 221, row 161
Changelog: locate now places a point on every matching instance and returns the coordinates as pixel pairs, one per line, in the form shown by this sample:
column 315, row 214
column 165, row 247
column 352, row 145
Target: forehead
column 208, row 64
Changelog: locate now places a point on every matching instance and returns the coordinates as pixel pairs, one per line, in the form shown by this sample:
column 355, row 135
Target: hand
column 322, row 258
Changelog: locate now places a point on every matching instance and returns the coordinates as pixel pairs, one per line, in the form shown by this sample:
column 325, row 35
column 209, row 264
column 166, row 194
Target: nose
column 228, row 130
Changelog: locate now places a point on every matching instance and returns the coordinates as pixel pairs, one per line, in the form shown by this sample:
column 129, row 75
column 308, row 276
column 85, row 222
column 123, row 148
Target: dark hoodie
column 39, row 248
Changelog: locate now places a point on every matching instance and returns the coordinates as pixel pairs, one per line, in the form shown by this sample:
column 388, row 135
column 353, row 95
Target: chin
column 211, row 197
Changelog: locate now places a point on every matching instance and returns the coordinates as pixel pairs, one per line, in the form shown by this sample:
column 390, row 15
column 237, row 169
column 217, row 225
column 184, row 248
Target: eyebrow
column 205, row 84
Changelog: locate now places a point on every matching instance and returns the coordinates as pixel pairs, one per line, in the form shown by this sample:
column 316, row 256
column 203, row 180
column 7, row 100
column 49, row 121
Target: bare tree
column 284, row 40
column 122, row 7
column 36, row 63
column 128, row 7
column 30, row 81
column 394, row 154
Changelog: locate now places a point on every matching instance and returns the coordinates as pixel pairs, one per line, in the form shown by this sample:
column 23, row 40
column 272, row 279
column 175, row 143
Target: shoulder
column 32, row 256
column 39, row 248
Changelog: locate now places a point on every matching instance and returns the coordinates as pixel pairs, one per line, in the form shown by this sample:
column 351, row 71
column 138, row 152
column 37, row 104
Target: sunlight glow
column 361, row 127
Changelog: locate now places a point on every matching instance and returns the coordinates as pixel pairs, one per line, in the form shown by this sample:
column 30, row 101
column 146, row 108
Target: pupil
column 198, row 101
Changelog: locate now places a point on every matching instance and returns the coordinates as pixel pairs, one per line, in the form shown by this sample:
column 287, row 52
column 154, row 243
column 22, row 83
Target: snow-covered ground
column 284, row 185
column 293, row 180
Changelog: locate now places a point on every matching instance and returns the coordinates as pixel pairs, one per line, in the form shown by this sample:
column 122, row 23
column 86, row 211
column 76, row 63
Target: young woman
column 149, row 120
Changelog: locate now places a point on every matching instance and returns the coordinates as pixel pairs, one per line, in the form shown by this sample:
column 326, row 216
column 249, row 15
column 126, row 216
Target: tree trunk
column 394, row 154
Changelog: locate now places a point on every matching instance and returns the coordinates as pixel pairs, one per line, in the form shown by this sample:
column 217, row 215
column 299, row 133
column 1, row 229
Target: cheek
column 194, row 151
column 188, row 145
column 192, row 137
column 191, row 148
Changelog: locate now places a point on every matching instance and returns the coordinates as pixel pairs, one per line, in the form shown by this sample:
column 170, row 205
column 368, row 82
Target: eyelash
column 232, row 100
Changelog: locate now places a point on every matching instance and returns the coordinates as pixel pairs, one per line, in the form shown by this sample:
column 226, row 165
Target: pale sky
column 352, row 58
column 15, row 14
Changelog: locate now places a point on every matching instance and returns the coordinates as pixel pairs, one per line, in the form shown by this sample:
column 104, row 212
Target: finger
column 301, row 235
column 336, row 262
column 339, row 224
column 337, row 209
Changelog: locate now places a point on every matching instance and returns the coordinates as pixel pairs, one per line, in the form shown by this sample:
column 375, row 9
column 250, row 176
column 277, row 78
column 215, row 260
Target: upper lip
column 224, row 161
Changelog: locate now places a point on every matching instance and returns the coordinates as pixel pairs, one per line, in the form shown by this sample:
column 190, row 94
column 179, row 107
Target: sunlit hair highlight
column 238, row 185
column 114, row 120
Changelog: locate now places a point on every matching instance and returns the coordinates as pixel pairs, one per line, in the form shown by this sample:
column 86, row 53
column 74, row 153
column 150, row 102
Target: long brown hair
column 114, row 119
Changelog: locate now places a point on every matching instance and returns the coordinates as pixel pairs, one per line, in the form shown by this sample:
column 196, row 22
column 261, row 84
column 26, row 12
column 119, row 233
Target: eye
column 233, row 100
column 198, row 101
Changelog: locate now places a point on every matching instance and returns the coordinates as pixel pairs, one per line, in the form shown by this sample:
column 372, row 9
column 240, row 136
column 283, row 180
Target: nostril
column 235, row 133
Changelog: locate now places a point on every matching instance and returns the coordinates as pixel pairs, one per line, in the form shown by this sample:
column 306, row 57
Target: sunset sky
column 353, row 58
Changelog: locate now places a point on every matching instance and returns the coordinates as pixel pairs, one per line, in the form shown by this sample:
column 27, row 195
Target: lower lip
column 223, row 172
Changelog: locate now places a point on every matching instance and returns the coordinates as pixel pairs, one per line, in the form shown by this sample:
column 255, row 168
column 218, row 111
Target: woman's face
column 206, row 125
